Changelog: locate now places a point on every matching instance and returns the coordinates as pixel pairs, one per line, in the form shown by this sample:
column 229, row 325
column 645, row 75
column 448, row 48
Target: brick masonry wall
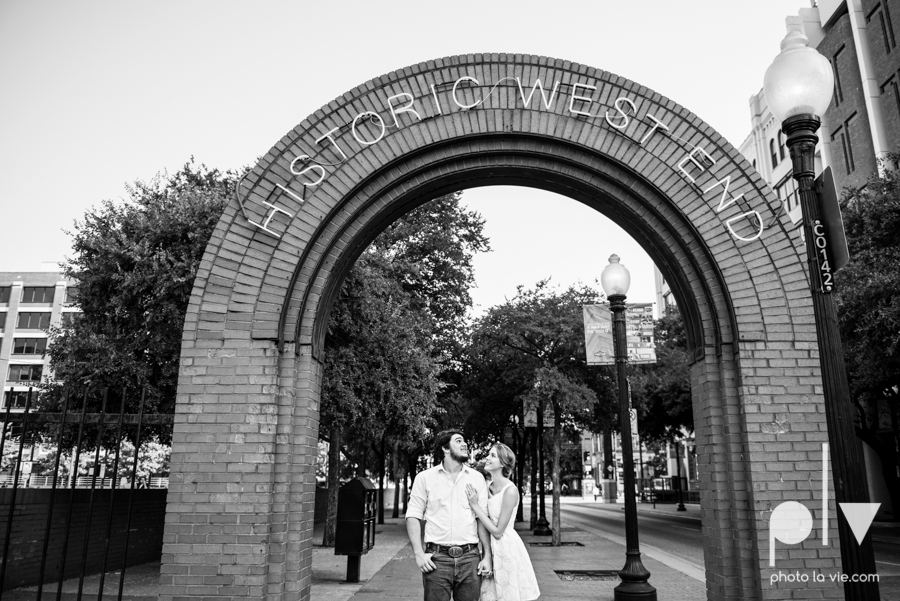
column 29, row 527
column 886, row 61
column 242, row 489
column 839, row 41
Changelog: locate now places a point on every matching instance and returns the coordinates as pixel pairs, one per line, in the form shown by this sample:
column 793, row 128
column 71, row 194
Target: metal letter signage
column 466, row 93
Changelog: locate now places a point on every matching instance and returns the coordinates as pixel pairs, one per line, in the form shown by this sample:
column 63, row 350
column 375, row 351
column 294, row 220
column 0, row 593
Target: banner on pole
column 530, row 413
column 598, row 337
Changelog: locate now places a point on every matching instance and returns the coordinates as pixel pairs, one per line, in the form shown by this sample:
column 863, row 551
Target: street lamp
column 798, row 87
column 542, row 526
column 615, row 280
column 680, row 506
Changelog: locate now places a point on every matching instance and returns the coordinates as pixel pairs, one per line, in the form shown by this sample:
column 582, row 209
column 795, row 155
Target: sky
column 96, row 95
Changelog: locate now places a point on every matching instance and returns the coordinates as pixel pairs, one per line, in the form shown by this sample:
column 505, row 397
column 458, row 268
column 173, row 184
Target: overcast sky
column 94, row 95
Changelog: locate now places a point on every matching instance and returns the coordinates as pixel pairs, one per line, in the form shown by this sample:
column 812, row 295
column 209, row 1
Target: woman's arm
column 507, row 507
column 483, row 518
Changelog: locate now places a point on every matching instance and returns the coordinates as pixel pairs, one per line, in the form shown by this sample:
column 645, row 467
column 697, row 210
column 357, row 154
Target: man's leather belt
column 454, row 551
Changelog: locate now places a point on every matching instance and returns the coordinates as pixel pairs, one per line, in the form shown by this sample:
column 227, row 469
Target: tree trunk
column 534, row 477
column 607, row 455
column 517, row 476
column 395, row 459
column 556, row 538
column 381, row 465
column 334, row 482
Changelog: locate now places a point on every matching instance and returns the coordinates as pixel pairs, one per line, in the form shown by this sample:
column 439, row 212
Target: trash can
column 355, row 529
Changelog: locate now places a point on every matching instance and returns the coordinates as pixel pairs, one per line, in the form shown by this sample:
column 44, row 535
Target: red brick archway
column 239, row 518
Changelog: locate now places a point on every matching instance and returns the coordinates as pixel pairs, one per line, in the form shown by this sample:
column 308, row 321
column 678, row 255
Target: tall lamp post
column 542, row 526
column 615, row 280
column 798, row 86
column 680, row 506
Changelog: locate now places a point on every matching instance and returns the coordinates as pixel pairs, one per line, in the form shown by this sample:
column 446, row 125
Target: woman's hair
column 507, row 458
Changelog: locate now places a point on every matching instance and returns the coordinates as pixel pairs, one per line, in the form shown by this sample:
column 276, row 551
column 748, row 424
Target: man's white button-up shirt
column 442, row 503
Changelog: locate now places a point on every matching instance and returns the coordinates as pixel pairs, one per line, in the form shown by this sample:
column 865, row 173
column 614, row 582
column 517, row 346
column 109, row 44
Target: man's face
column 459, row 450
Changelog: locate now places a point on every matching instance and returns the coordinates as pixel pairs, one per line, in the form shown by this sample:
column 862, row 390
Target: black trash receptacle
column 355, row 529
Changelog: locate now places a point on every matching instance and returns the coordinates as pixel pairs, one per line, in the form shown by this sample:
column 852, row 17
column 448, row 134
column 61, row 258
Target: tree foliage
column 134, row 265
column 661, row 393
column 532, row 347
column 397, row 322
column 868, row 305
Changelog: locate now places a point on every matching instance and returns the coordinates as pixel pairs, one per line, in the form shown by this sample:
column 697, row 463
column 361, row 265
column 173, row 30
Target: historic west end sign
column 586, row 99
column 240, row 504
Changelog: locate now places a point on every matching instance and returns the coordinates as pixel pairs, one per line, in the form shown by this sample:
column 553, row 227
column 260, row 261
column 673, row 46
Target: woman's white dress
column 513, row 578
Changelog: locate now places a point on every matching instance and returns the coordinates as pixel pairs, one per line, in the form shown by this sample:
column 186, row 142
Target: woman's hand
column 472, row 495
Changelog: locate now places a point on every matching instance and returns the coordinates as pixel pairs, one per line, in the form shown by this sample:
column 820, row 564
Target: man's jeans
column 458, row 576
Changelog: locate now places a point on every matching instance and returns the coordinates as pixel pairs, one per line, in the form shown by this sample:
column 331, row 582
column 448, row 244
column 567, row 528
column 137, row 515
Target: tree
column 134, row 265
column 662, row 392
column 532, row 346
column 396, row 322
column 868, row 307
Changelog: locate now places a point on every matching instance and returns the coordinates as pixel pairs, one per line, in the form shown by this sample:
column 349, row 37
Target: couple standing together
column 459, row 511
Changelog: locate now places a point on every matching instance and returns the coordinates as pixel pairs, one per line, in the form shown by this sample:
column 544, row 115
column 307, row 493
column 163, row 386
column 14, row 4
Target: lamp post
column 798, row 87
column 542, row 526
column 680, row 506
column 615, row 280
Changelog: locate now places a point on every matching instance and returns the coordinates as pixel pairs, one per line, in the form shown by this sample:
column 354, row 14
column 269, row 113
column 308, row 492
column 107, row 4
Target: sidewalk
column 389, row 570
column 399, row 578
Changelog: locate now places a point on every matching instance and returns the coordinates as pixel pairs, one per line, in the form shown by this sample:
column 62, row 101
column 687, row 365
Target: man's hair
column 442, row 441
column 507, row 458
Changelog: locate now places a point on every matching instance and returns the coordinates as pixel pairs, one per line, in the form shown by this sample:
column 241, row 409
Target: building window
column 887, row 30
column 891, row 86
column 72, row 295
column 754, row 163
column 17, row 398
column 773, row 153
column 3, row 321
column 780, row 145
column 25, row 373
column 842, row 136
column 786, row 190
column 838, row 90
column 33, row 321
column 37, row 294
column 29, row 346
column 4, row 295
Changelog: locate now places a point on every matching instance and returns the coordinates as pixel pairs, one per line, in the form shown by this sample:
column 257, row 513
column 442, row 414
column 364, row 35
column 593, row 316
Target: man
column 450, row 561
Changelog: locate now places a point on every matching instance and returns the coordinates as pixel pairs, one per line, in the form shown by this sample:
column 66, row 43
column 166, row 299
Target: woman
column 514, row 578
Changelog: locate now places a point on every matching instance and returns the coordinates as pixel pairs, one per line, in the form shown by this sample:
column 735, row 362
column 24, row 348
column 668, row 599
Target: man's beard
column 459, row 458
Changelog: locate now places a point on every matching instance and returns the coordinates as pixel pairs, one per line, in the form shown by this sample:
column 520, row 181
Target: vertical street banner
column 598, row 338
column 639, row 333
column 530, row 412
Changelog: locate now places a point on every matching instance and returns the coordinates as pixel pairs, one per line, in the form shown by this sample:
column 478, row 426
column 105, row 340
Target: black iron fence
column 66, row 522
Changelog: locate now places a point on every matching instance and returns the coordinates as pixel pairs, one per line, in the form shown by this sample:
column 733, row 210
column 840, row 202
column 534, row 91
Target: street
column 675, row 539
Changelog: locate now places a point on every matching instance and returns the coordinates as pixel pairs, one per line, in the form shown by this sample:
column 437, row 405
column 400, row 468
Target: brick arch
column 247, row 410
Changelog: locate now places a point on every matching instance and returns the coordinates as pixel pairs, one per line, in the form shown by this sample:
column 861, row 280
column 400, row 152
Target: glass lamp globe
column 799, row 81
column 615, row 278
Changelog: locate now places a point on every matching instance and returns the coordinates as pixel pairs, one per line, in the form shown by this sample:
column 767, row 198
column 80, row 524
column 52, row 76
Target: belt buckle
column 455, row 552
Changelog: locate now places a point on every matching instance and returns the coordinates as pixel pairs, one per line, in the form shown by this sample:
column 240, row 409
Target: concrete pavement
column 389, row 570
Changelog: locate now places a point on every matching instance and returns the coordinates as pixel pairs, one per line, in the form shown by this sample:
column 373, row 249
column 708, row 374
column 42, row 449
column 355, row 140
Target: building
column 30, row 304
column 861, row 126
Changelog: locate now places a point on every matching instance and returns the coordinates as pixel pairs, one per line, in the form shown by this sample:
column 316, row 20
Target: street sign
column 838, row 254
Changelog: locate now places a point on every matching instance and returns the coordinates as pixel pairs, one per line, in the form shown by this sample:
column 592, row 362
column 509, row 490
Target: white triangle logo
column 859, row 516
